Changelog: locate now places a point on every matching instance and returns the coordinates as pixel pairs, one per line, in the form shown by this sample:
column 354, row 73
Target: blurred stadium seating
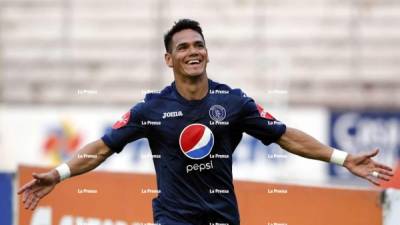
column 322, row 52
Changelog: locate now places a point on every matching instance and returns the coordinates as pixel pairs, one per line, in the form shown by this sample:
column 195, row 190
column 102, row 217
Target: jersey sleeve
column 129, row 128
column 259, row 123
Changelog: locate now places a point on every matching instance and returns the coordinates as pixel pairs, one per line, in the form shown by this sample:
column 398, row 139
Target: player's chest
column 212, row 119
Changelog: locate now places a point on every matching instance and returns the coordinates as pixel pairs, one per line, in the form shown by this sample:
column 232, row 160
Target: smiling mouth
column 193, row 62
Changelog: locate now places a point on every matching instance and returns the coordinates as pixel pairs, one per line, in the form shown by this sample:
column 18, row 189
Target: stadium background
column 69, row 69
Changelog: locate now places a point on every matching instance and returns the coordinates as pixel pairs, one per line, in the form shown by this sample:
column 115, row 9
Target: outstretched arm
column 302, row 144
column 86, row 159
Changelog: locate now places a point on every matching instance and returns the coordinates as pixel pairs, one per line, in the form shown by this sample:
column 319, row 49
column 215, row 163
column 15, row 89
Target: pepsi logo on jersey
column 196, row 142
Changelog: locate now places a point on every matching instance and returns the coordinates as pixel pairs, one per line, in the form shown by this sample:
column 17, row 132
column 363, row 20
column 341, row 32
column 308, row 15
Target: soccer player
column 194, row 126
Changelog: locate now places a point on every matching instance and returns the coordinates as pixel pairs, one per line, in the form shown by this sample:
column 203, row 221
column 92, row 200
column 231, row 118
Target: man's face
column 188, row 55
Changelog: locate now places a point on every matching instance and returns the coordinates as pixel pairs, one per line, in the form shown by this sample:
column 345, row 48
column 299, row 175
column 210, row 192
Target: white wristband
column 64, row 171
column 338, row 157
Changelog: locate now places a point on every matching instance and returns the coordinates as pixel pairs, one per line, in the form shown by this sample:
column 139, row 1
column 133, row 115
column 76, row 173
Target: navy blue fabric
column 6, row 193
column 207, row 193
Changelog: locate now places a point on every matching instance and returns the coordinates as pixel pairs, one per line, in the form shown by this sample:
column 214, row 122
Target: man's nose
column 193, row 50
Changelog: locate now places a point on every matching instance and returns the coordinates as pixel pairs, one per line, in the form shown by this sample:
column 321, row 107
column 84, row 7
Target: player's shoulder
column 153, row 96
column 221, row 88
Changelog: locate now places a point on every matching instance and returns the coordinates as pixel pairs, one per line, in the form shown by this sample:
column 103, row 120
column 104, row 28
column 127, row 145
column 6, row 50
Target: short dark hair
column 180, row 25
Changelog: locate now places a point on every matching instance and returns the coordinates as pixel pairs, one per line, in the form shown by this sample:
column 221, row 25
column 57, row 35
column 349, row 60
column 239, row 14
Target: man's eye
column 181, row 47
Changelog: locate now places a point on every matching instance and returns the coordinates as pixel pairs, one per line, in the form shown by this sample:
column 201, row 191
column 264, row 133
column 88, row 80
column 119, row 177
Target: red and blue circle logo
column 196, row 141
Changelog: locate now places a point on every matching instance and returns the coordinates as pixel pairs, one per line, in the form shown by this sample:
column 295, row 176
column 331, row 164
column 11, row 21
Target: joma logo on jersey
column 172, row 114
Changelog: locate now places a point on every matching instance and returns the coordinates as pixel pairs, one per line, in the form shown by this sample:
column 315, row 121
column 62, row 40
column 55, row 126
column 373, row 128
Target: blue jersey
column 192, row 143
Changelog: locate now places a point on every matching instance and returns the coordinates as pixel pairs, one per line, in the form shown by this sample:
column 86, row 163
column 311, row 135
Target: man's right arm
column 89, row 157
column 129, row 128
column 85, row 160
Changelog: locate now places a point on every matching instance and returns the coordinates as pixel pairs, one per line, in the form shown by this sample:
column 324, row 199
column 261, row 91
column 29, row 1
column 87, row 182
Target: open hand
column 364, row 167
column 36, row 189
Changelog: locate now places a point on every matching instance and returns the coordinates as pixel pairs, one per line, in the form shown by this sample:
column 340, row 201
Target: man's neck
column 192, row 88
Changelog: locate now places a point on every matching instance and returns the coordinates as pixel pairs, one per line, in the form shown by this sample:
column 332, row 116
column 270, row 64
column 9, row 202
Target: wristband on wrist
column 338, row 157
column 64, row 171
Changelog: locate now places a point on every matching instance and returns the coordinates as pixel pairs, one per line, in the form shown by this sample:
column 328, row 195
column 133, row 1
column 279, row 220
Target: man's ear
column 168, row 59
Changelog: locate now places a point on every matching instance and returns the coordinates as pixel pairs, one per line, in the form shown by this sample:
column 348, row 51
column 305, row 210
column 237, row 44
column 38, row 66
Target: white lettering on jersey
column 172, row 114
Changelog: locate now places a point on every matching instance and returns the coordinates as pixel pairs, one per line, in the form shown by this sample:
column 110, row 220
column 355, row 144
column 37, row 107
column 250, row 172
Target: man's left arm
column 362, row 165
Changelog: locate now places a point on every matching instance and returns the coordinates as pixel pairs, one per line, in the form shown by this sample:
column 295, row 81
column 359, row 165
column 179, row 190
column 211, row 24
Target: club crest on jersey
column 123, row 121
column 196, row 141
column 217, row 113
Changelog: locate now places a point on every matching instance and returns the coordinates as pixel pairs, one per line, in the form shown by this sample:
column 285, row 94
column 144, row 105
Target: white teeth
column 194, row 61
